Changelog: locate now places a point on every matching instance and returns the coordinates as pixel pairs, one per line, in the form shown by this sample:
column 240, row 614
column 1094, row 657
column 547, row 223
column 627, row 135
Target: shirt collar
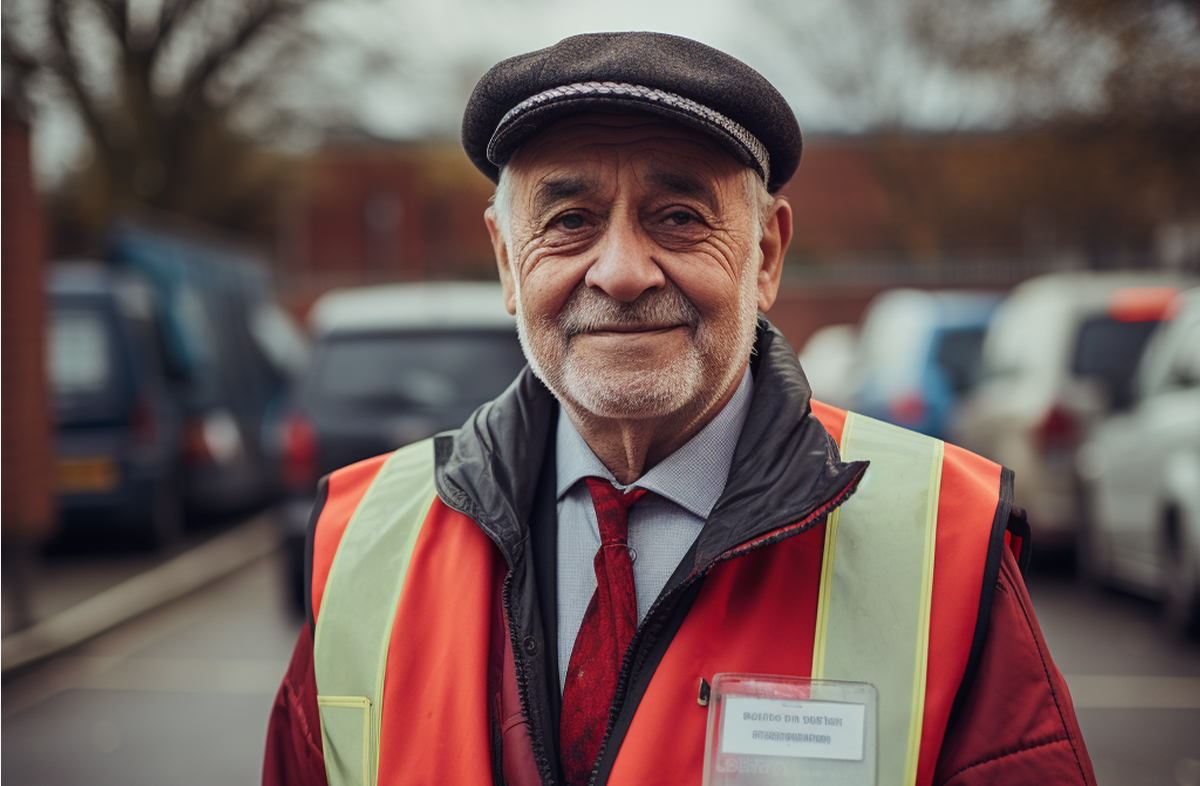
column 692, row 477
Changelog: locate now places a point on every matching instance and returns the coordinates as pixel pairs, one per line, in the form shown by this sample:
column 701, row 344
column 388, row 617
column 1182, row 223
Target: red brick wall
column 840, row 206
column 25, row 429
column 799, row 311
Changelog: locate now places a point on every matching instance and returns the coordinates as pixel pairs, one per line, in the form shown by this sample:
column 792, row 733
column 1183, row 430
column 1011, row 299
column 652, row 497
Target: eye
column 570, row 221
column 676, row 225
column 680, row 218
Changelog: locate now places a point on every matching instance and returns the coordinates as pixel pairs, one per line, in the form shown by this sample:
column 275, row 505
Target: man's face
column 632, row 263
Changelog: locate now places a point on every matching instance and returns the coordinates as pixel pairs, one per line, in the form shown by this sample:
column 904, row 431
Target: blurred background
column 242, row 247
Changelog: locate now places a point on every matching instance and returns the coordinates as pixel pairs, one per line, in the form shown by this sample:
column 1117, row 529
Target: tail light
column 1057, row 431
column 908, row 410
column 1141, row 304
column 299, row 452
column 212, row 438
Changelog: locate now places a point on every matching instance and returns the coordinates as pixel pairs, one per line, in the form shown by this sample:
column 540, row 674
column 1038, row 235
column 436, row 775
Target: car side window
column 1185, row 364
column 1172, row 362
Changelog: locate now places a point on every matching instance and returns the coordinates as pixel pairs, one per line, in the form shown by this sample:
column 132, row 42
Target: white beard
column 628, row 391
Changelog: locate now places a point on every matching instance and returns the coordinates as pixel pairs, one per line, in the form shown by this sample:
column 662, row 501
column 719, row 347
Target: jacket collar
column 785, row 466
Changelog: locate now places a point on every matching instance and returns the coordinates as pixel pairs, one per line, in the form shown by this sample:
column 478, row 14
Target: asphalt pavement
column 179, row 696
column 182, row 694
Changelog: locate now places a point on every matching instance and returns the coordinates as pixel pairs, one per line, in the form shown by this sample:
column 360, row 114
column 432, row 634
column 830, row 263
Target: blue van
column 236, row 354
column 118, row 440
column 918, row 353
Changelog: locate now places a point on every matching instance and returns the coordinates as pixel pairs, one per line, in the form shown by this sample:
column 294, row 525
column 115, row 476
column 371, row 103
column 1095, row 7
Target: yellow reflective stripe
column 921, row 664
column 350, row 645
column 831, row 527
column 877, row 582
column 822, row 633
column 363, row 704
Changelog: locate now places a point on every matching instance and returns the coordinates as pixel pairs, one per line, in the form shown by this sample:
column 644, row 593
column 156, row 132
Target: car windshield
column 959, row 356
column 1109, row 349
column 415, row 370
column 83, row 364
column 80, row 353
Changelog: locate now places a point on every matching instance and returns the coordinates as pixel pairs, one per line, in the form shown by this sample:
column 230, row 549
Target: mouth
column 633, row 330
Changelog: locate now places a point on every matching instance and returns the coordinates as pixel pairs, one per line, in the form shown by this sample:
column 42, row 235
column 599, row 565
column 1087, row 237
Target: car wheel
column 1181, row 600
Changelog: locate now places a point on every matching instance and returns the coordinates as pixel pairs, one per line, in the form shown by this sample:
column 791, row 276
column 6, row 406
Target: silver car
column 1141, row 473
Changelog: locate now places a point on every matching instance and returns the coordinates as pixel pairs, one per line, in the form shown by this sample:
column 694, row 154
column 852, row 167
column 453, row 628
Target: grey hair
column 502, row 203
column 756, row 191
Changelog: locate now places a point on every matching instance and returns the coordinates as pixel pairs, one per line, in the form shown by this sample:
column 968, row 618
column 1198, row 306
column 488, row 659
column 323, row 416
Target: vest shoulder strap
column 877, row 581
column 371, row 563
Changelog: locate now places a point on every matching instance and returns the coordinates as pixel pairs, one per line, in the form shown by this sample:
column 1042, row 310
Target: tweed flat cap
column 677, row 78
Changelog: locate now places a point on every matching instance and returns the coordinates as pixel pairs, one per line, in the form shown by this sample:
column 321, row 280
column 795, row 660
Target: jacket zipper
column 540, row 757
column 643, row 641
column 462, row 503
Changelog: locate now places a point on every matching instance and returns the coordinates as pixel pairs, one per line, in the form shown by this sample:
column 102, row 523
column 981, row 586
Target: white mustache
column 589, row 310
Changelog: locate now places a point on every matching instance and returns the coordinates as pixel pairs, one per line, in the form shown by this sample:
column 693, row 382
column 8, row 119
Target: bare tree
column 1116, row 61
column 165, row 94
column 1098, row 102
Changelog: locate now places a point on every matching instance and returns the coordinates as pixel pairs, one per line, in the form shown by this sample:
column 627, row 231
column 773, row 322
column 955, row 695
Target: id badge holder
column 768, row 731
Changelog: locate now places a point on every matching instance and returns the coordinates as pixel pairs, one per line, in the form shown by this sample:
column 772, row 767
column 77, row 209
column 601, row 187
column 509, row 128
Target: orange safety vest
column 756, row 612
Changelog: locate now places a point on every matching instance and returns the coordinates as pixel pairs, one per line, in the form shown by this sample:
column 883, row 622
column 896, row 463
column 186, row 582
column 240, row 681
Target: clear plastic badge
column 765, row 730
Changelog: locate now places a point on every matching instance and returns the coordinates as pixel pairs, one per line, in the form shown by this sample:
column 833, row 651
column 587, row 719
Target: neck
column 630, row 447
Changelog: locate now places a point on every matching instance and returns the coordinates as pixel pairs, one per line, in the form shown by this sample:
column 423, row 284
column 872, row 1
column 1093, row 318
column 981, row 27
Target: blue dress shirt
column 662, row 526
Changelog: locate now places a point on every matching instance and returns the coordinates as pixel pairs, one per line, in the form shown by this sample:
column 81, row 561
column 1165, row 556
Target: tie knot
column 612, row 509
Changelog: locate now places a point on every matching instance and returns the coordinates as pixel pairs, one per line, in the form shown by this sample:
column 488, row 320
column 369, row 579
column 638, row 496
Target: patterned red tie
column 608, row 627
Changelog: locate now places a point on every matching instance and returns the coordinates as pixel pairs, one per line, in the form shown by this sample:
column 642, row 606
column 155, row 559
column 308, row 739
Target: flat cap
column 677, row 78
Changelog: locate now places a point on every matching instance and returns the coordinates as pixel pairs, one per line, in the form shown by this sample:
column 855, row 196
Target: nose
column 625, row 266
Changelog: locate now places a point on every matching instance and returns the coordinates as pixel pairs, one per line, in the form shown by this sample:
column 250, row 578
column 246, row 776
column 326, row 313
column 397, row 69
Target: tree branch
column 172, row 13
column 254, row 24
column 16, row 55
column 116, row 12
column 63, row 62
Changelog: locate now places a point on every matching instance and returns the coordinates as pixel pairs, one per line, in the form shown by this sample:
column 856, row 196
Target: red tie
column 608, row 627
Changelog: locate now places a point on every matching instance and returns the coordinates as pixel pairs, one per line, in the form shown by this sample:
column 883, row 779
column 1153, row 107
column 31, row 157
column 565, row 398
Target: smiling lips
column 634, row 329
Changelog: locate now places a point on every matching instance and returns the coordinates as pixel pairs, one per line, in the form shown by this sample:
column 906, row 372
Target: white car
column 1141, row 472
column 1059, row 354
column 828, row 362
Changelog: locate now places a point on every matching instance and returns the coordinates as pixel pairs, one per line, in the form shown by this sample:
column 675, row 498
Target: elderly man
column 549, row 594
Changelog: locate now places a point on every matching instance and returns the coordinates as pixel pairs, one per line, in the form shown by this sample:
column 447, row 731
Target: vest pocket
column 346, row 730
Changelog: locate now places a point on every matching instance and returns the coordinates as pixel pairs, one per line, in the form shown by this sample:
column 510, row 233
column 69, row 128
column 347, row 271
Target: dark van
column 118, row 444
column 236, row 354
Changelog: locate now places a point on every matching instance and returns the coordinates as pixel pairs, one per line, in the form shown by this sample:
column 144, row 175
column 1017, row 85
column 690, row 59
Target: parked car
column 392, row 364
column 918, row 354
column 828, row 358
column 1141, row 473
column 237, row 354
column 1059, row 355
column 118, row 443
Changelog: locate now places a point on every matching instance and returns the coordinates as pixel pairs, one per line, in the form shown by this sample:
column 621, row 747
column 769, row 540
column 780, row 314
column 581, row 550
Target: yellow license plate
column 87, row 475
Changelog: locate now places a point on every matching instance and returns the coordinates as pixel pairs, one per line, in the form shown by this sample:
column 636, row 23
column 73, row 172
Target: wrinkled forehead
column 604, row 150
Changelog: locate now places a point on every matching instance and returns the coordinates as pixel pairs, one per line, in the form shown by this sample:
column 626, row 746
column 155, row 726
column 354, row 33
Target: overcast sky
column 403, row 69
column 445, row 47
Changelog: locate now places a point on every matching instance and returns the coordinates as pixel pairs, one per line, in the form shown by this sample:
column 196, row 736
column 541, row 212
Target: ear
column 500, row 249
column 777, row 233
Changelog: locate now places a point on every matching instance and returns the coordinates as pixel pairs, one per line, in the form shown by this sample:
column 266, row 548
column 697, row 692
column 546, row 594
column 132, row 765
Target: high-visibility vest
column 405, row 589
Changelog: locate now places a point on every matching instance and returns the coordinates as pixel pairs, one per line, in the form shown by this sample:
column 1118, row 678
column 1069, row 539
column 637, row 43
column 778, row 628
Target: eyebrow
column 554, row 190
column 686, row 184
